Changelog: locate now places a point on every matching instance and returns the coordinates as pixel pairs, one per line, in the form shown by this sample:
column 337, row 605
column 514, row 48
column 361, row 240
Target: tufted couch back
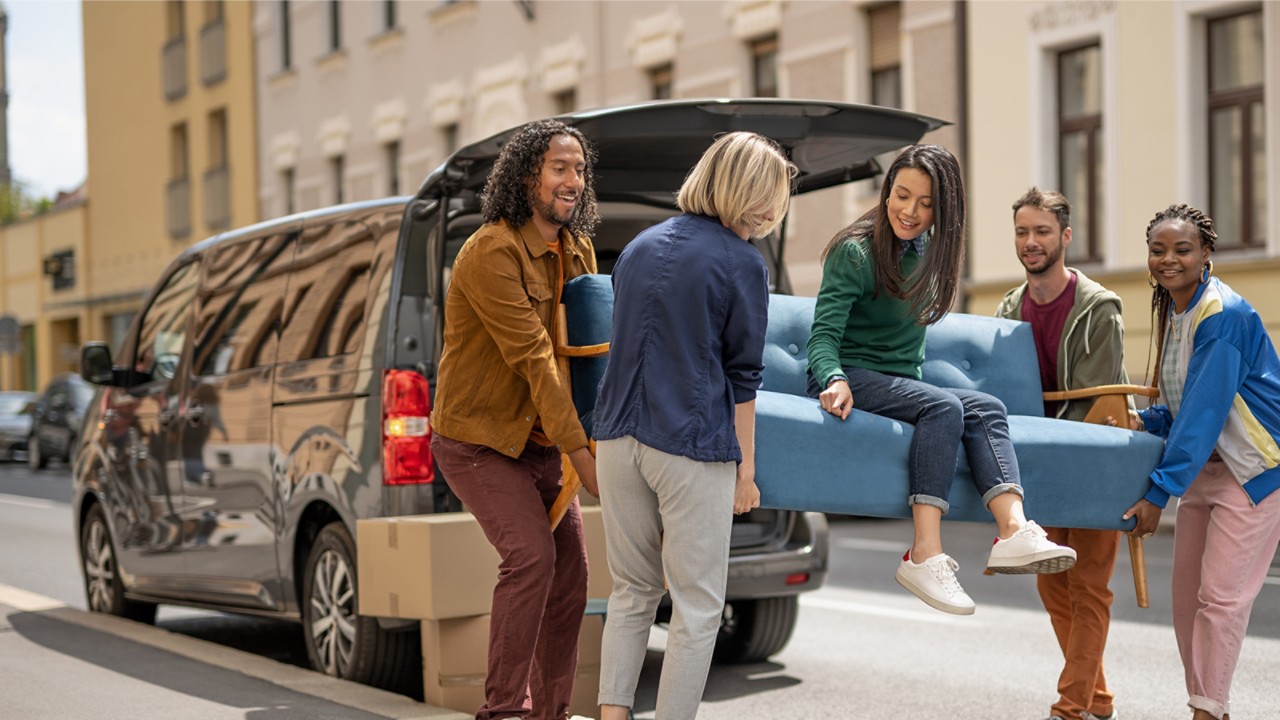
column 962, row 351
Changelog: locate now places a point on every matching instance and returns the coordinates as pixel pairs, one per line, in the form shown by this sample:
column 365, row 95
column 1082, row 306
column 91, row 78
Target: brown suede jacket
column 498, row 369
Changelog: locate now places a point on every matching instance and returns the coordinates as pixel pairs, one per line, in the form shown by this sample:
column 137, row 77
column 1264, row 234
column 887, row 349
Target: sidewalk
column 59, row 662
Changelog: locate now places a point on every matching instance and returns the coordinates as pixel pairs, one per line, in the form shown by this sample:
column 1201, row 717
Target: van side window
column 163, row 330
column 241, row 303
column 327, row 292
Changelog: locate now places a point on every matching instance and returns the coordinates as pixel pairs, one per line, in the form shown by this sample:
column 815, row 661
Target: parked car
column 15, row 423
column 56, row 420
column 242, row 429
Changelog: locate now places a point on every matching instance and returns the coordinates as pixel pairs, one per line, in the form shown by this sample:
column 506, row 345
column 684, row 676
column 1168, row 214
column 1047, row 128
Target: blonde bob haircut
column 744, row 180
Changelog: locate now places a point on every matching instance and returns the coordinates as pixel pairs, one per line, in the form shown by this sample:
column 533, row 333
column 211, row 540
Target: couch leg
column 1138, row 558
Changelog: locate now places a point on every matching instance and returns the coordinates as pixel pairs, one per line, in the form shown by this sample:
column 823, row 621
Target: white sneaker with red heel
column 1029, row 551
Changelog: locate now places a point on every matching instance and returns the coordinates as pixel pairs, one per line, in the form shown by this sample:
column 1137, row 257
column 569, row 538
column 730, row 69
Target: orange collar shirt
column 498, row 378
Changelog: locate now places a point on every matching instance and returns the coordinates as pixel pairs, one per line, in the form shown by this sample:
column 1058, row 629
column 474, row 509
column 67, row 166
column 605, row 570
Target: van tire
column 752, row 630
column 100, row 568
column 35, row 458
column 348, row 645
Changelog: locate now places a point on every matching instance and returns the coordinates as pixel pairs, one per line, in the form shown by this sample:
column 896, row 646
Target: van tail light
column 406, row 429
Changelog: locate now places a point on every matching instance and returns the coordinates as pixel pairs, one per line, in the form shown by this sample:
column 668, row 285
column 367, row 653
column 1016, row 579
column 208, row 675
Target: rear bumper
column 765, row 572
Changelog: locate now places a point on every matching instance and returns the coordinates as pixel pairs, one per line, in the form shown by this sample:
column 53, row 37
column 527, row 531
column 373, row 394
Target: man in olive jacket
column 503, row 413
column 1079, row 336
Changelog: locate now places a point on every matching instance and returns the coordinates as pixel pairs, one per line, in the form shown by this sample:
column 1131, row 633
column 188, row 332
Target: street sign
column 10, row 334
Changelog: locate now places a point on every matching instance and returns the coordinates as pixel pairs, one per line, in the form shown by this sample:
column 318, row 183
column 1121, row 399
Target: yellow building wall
column 57, row 316
column 1011, row 110
column 128, row 125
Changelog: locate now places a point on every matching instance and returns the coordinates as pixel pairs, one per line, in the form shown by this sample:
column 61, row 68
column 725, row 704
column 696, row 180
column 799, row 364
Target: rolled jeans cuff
column 922, row 499
column 1213, row 707
column 1001, row 489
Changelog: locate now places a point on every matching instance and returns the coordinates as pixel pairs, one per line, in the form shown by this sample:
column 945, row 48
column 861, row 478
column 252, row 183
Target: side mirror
column 95, row 365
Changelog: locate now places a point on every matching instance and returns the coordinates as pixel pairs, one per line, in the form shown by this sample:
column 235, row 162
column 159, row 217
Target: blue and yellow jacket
column 1230, row 400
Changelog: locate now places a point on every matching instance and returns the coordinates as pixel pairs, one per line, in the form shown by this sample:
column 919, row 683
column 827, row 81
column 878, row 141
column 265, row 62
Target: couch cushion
column 990, row 354
column 1075, row 475
column 786, row 357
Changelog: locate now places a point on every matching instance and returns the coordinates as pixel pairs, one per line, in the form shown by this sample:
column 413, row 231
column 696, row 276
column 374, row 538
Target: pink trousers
column 1222, row 549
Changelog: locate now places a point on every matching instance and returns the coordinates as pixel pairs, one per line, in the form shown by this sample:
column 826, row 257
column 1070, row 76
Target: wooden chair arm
column 582, row 351
column 1143, row 390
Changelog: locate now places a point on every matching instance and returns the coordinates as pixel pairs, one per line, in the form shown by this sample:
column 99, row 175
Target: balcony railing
column 178, row 208
column 173, row 60
column 213, row 52
column 217, row 198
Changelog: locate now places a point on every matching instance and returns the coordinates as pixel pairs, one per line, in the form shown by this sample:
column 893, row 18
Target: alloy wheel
column 99, row 568
column 333, row 614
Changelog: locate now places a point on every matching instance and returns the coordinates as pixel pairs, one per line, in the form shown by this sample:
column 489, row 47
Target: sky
column 44, row 69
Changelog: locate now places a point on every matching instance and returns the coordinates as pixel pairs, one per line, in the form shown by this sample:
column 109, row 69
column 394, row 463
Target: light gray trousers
column 664, row 515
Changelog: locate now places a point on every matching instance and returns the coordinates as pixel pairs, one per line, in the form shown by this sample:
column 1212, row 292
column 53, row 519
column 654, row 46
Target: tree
column 17, row 203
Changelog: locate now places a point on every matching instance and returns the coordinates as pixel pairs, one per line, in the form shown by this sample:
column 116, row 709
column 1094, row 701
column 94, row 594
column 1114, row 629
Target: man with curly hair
column 503, row 413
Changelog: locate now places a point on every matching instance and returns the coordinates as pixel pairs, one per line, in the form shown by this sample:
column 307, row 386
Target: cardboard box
column 455, row 661
column 599, row 581
column 436, row 567
column 425, row 567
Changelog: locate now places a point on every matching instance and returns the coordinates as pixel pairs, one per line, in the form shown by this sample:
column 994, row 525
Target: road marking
column 881, row 611
column 26, row 601
column 23, row 501
column 1271, row 581
column 890, row 546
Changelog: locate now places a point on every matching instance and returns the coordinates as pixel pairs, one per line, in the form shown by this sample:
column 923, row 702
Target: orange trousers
column 1079, row 604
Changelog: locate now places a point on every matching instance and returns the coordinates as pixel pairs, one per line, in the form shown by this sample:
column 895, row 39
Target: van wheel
column 35, row 459
column 340, row 642
column 103, row 588
column 753, row 630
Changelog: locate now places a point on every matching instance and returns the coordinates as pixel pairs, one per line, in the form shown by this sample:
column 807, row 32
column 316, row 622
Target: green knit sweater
column 855, row 327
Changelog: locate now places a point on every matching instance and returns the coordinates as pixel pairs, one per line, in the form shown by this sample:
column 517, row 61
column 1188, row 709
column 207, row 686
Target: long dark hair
column 1161, row 300
column 931, row 289
column 509, row 191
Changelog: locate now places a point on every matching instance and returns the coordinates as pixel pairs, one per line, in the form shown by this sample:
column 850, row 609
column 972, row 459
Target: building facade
column 1127, row 107
column 363, row 99
column 172, row 159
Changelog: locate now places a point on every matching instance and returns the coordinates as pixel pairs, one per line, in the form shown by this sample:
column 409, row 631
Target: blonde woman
column 675, row 415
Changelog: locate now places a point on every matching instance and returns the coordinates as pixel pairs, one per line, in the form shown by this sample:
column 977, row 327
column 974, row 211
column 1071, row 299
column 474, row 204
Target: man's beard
column 547, row 210
column 1050, row 259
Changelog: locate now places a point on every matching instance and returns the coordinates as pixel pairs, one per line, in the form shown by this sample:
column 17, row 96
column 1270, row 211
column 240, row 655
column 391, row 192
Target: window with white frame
column 1237, row 129
column 1080, row 152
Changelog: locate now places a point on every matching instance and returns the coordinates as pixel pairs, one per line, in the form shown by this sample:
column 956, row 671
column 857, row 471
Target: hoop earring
column 1208, row 271
column 1151, row 281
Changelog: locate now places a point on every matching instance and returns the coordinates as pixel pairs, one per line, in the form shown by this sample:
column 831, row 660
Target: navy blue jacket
column 690, row 308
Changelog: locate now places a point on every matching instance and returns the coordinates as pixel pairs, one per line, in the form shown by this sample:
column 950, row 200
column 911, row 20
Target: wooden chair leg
column 1138, row 558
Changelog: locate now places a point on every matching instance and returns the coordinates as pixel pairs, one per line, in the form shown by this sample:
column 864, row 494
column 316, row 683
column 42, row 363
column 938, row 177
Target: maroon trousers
column 542, row 579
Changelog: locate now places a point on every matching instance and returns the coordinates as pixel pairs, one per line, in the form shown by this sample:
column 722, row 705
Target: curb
column 307, row 682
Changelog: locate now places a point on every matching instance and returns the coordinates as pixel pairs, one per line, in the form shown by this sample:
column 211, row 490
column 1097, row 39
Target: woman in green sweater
column 885, row 278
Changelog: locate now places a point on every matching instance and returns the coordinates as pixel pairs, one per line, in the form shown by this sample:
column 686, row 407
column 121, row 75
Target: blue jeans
column 944, row 420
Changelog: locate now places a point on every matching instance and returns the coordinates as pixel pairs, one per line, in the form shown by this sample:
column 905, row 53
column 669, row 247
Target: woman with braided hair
column 885, row 278
column 1219, row 380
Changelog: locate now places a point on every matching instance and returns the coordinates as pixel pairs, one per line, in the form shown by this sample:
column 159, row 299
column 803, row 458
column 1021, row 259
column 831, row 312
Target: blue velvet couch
column 1074, row 474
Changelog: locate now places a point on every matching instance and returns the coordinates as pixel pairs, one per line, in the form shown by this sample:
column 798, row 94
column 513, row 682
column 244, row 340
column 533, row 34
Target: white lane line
column 880, row 611
column 22, row 501
column 1271, row 581
column 26, row 601
column 890, row 546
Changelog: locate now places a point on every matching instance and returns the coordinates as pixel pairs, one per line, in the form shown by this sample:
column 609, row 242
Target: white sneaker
column 934, row 581
column 1030, row 551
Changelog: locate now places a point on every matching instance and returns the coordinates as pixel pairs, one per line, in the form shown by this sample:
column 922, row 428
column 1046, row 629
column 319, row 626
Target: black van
column 244, row 426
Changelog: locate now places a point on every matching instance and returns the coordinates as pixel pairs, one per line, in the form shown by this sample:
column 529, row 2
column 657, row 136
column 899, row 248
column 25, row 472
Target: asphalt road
column 863, row 648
